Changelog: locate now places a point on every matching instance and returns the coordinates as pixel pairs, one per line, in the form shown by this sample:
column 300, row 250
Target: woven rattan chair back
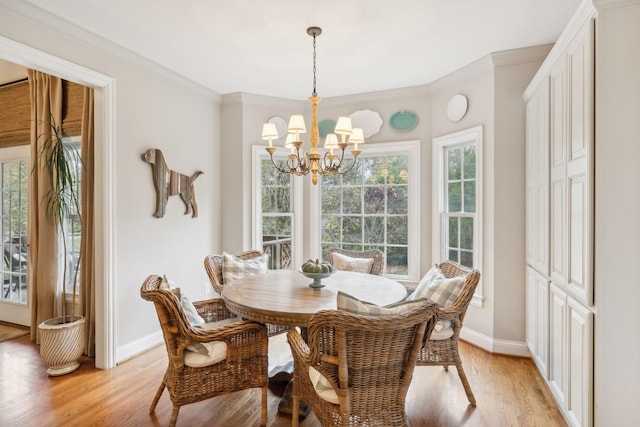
column 377, row 267
column 369, row 361
column 213, row 267
column 244, row 367
column 445, row 352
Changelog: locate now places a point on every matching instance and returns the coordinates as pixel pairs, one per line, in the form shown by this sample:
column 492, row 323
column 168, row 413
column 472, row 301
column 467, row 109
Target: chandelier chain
column 314, row 65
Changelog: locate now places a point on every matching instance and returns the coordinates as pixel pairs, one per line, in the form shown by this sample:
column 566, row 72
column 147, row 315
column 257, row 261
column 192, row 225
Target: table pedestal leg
column 286, row 403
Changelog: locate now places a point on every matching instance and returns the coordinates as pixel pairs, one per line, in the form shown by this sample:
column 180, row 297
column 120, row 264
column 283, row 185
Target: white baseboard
column 138, row 346
column 512, row 348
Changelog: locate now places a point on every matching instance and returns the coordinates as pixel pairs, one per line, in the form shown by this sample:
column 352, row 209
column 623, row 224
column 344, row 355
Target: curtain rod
column 14, row 82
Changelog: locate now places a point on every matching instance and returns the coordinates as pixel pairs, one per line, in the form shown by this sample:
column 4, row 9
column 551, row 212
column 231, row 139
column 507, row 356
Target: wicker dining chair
column 245, row 364
column 441, row 349
column 377, row 267
column 368, row 361
column 213, row 267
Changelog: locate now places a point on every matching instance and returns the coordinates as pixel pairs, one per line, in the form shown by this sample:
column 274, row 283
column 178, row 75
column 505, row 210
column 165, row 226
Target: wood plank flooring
column 509, row 392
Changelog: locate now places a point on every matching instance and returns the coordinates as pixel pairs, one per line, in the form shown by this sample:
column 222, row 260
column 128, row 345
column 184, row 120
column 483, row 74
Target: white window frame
column 258, row 155
column 410, row 148
column 15, row 311
column 471, row 136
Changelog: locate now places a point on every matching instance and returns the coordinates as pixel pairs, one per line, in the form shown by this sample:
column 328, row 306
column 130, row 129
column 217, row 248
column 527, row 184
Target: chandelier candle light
column 302, row 163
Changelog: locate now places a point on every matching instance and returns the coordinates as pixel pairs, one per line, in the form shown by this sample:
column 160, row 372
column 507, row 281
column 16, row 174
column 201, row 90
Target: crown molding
column 242, row 98
column 521, row 55
column 608, row 4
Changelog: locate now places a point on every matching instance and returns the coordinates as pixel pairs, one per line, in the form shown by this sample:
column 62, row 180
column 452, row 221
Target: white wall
column 475, row 81
column 153, row 108
column 617, row 229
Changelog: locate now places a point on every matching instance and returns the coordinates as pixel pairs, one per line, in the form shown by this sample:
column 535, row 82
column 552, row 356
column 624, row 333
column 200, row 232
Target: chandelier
column 300, row 162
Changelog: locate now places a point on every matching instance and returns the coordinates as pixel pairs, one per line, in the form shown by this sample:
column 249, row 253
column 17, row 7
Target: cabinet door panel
column 580, row 364
column 542, row 339
column 537, row 181
column 557, row 344
column 532, row 311
column 578, row 237
column 558, row 172
column 580, row 185
column 538, row 319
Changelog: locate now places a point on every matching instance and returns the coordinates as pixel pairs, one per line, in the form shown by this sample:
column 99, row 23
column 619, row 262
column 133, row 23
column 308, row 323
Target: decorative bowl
column 317, row 278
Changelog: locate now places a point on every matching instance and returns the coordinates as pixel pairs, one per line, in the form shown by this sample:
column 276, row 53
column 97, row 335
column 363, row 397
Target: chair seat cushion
column 347, row 263
column 199, row 347
column 217, row 352
column 234, row 268
column 322, row 386
column 443, row 330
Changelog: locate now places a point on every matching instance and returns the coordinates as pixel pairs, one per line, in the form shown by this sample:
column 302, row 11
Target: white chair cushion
column 234, row 268
column 347, row 263
column 203, row 349
column 216, row 352
column 442, row 330
column 351, row 304
column 322, row 386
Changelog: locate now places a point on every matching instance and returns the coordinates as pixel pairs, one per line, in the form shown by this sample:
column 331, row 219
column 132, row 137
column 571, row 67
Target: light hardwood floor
column 509, row 392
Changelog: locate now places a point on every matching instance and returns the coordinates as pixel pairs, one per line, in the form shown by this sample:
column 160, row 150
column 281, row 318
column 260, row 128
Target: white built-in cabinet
column 560, row 200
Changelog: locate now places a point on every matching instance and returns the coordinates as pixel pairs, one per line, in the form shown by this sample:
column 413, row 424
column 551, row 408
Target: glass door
column 14, row 178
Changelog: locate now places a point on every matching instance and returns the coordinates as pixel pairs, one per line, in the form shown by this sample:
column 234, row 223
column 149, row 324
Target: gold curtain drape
column 47, row 99
column 46, row 105
column 87, row 270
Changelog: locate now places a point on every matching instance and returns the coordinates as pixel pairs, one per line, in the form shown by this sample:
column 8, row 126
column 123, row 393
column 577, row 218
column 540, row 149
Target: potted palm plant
column 62, row 338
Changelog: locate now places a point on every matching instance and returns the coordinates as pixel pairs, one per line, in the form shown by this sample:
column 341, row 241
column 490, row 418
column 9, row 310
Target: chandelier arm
column 355, row 160
column 293, row 162
column 278, row 167
column 327, row 161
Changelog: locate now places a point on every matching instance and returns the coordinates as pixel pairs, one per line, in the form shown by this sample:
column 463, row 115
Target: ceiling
column 261, row 47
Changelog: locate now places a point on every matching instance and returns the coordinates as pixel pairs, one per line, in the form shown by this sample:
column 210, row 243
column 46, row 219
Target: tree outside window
column 368, row 208
column 460, row 184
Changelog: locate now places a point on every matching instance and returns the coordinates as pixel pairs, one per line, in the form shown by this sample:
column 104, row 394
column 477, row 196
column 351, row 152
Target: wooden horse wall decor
column 169, row 183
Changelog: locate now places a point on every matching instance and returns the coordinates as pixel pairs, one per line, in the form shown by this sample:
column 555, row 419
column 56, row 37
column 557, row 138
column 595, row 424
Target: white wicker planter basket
column 61, row 344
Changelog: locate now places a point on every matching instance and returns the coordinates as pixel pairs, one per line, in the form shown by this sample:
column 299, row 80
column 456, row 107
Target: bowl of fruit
column 317, row 270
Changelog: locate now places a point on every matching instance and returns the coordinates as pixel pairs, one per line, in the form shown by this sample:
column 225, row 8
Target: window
column 374, row 206
column 14, row 177
column 457, row 196
column 72, row 224
column 276, row 199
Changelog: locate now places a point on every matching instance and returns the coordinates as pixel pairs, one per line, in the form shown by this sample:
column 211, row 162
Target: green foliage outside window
column 460, row 203
column 367, row 208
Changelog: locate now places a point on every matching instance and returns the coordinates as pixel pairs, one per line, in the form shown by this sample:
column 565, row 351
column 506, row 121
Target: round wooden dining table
column 284, row 297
